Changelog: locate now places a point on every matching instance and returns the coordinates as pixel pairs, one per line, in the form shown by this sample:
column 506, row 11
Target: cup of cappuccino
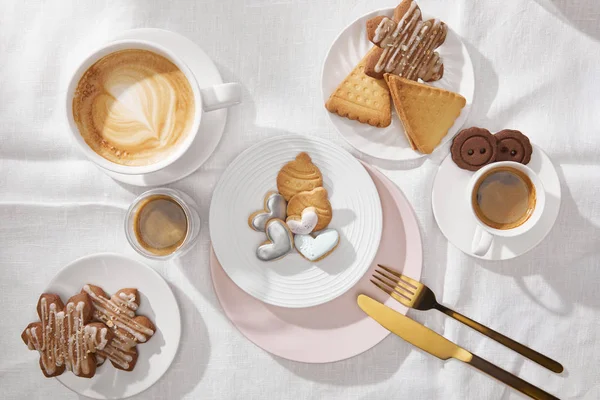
column 507, row 199
column 134, row 107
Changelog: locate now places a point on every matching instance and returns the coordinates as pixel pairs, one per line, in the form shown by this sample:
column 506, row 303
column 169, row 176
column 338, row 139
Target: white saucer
column 390, row 143
column 213, row 123
column 451, row 209
column 113, row 272
column 293, row 281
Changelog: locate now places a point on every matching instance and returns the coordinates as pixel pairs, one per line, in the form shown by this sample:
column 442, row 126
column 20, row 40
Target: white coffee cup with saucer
column 456, row 221
column 484, row 233
column 206, row 99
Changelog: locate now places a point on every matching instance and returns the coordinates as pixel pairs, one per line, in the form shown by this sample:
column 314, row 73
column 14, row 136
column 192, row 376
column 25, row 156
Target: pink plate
column 336, row 330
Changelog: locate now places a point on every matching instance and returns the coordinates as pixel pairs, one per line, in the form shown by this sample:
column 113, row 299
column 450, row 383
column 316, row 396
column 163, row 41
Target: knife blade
column 412, row 331
column 437, row 345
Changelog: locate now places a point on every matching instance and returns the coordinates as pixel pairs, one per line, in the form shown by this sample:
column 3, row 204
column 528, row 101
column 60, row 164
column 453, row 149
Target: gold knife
column 437, row 345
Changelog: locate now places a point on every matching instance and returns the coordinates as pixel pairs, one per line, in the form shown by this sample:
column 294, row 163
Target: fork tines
column 400, row 287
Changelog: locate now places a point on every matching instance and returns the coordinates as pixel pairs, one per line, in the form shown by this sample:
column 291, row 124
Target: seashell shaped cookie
column 316, row 198
column 299, row 175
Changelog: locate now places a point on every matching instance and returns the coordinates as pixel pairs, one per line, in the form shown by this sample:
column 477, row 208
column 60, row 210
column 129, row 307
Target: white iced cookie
column 304, row 224
column 317, row 246
column 275, row 206
column 280, row 241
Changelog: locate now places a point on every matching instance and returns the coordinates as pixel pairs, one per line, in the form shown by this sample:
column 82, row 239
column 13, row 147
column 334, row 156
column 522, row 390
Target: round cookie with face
column 474, row 148
column 513, row 146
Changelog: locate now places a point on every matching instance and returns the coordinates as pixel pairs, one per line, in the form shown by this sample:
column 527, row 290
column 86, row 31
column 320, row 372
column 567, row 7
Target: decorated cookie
column 274, row 207
column 304, row 224
column 474, row 148
column 513, row 146
column 299, row 175
column 316, row 198
column 65, row 337
column 317, row 246
column 280, row 241
column 406, row 44
column 118, row 312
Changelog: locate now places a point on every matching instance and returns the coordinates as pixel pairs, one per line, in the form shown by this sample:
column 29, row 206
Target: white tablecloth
column 537, row 70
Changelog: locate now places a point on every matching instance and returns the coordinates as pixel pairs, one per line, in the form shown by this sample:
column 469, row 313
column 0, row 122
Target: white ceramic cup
column 205, row 100
column 484, row 234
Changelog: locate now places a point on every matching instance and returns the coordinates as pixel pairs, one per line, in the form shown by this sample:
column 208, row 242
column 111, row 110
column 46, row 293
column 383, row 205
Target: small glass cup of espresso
column 162, row 224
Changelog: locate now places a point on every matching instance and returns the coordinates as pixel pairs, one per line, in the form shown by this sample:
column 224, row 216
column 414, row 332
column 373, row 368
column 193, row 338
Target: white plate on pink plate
column 390, row 143
column 293, row 281
column 338, row 329
column 113, row 272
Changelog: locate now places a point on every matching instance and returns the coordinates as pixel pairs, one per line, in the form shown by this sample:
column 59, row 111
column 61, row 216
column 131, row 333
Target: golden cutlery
column 437, row 345
column 414, row 294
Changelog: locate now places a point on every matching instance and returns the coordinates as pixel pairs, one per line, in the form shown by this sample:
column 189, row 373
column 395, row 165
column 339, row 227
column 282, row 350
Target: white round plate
column 329, row 332
column 113, row 272
column 390, row 143
column 451, row 209
column 294, row 281
column 213, row 123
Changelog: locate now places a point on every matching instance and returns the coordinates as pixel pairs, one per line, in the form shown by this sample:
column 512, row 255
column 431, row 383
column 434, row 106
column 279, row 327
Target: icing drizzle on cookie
column 408, row 46
column 118, row 313
column 64, row 338
column 118, row 352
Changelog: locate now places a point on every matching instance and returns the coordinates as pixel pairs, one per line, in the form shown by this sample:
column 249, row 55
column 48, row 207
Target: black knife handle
column 511, row 380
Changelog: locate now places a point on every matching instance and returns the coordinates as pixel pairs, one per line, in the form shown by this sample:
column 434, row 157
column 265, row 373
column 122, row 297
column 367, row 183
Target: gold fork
column 414, row 294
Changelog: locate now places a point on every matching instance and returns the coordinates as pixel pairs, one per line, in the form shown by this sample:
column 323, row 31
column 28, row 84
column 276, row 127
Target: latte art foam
column 133, row 107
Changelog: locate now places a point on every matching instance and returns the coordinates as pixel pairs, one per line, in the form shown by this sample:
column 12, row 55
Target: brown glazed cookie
column 473, row 148
column 513, row 146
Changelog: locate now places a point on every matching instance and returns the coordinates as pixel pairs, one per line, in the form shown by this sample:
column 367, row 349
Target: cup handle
column 482, row 241
column 221, row 96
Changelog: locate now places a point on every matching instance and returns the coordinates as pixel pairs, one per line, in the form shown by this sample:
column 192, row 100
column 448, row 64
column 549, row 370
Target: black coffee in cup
column 504, row 198
column 160, row 224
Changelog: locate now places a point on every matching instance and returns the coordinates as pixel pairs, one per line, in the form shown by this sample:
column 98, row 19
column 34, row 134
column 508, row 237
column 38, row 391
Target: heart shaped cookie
column 304, row 224
column 317, row 246
column 316, row 198
column 274, row 207
column 280, row 241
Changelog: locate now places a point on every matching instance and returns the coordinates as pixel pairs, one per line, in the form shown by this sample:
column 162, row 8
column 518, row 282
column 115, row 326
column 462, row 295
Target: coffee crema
column 504, row 198
column 133, row 107
column 160, row 225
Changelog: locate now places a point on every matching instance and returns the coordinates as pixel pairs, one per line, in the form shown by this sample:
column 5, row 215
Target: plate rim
column 161, row 279
column 400, row 200
column 417, row 155
column 212, row 209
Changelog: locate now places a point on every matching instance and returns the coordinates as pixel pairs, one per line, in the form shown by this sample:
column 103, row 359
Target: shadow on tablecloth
column 581, row 15
column 572, row 270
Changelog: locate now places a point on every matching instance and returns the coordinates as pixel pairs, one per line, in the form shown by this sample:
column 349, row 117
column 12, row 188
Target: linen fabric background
column 537, row 66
